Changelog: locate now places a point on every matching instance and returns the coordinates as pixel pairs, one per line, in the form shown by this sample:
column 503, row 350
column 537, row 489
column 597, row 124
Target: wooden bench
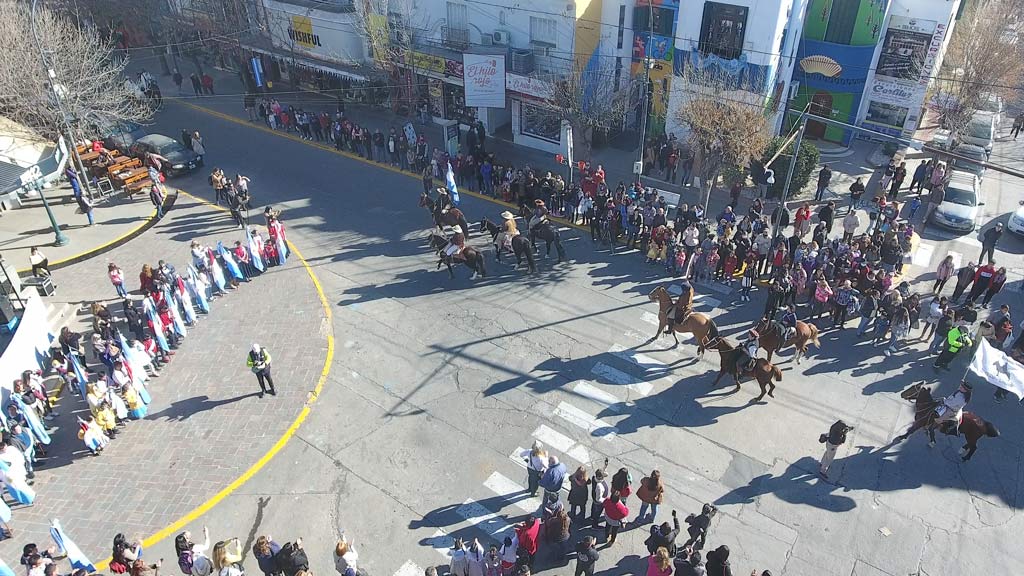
column 88, row 156
column 123, row 163
column 139, row 186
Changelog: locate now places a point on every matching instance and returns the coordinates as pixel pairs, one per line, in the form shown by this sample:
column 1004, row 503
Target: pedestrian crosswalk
column 578, row 426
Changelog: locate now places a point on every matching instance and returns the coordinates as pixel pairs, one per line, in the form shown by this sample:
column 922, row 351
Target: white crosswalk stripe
column 512, row 492
column 579, row 418
column 562, row 443
column 410, row 568
column 608, row 400
column 490, row 522
column 441, row 542
column 620, row 378
column 923, row 255
column 699, row 300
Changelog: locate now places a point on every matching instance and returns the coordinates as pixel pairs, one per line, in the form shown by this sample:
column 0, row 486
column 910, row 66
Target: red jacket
column 615, row 510
column 528, row 536
column 987, row 271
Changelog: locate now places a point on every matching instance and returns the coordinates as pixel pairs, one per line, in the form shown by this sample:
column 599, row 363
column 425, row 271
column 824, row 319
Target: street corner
column 208, row 429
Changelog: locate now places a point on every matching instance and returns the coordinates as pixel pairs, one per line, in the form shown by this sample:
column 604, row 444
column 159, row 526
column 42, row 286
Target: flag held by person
column 254, row 252
column 449, row 182
column 76, row 367
column 998, row 369
column 68, row 548
column 229, row 262
column 35, row 425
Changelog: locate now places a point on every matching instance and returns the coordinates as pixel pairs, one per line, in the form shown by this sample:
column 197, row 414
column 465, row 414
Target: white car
column 1016, row 222
column 959, row 210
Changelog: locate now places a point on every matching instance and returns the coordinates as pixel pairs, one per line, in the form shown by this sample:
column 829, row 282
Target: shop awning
column 309, row 62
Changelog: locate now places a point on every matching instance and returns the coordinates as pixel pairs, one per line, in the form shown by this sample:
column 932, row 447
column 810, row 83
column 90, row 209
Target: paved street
column 438, row 382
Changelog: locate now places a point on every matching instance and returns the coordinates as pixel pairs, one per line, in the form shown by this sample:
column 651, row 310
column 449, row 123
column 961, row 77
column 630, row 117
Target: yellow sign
column 428, row 62
column 301, row 32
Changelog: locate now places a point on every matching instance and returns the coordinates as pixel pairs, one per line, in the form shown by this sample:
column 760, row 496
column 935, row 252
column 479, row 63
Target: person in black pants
column 586, row 557
column 698, row 529
column 988, row 242
column 259, row 363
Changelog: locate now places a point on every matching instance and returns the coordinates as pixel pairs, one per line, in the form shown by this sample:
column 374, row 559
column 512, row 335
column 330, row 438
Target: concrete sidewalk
column 117, row 220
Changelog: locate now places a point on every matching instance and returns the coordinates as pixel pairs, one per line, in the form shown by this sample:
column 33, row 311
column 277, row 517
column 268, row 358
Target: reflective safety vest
column 956, row 339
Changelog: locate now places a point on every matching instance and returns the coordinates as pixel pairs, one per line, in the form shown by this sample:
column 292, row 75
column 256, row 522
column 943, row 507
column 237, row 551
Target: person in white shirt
column 536, row 463
column 345, row 556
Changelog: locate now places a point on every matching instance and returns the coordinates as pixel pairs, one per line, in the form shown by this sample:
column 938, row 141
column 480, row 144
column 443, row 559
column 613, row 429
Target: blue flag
column 79, row 374
column 216, row 273
column 229, row 262
column 282, row 250
column 449, row 182
column 34, row 425
column 254, row 252
column 172, row 307
column 67, row 547
column 197, row 288
column 5, row 570
column 158, row 325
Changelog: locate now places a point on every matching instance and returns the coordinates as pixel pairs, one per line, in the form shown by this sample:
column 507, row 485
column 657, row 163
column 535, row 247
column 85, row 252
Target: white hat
column 255, row 347
column 508, row 215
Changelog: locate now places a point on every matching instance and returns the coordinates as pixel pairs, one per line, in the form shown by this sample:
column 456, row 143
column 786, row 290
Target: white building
column 909, row 56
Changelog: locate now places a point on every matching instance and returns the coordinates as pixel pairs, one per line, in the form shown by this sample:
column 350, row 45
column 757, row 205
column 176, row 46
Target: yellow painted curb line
column 351, row 156
column 281, row 442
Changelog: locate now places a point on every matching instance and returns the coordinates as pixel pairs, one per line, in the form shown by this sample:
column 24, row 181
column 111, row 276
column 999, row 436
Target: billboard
column 905, row 48
column 484, row 80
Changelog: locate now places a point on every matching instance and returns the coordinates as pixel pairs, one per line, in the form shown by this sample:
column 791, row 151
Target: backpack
column 185, row 562
column 291, row 559
column 853, row 306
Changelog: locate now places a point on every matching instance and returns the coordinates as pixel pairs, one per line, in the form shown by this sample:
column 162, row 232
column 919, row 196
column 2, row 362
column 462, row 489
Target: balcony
column 455, row 38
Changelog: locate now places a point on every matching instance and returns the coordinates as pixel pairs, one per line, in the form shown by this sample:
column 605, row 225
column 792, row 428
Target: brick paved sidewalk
column 206, row 425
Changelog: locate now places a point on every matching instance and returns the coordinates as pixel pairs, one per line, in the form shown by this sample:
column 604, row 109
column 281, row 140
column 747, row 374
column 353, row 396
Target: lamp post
column 647, row 85
column 59, row 238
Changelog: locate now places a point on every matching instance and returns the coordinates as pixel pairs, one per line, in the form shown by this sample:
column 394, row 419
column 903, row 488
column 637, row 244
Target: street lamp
column 647, row 85
column 59, row 238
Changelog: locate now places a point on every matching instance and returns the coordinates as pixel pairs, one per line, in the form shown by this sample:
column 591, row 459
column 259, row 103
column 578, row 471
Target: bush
column 807, row 160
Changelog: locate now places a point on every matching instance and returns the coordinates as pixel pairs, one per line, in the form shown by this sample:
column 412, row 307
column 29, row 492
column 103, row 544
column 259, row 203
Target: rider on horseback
column 444, row 201
column 508, row 230
column 788, row 322
column 540, row 214
column 951, row 408
column 456, row 244
column 748, row 352
column 684, row 304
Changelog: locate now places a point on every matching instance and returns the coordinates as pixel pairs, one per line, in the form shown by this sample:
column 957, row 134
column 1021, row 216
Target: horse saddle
column 949, row 428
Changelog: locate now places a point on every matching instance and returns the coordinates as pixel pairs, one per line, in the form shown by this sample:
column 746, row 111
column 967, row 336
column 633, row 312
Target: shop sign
column 528, row 86
column 427, row 62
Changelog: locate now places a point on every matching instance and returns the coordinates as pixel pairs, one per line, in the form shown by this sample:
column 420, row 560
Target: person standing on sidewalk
column 920, row 173
column 824, row 178
column 259, row 362
column 117, row 279
column 156, row 196
column 1018, row 124
column 599, row 492
column 586, row 557
column 899, row 175
column 553, row 478
column 957, row 337
column 989, row 240
column 835, row 438
column 964, row 278
column 536, row 464
column 177, row 78
column 197, row 85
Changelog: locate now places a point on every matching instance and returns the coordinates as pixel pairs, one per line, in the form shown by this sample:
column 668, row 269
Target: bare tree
column 984, row 56
column 727, row 121
column 390, row 28
column 88, row 81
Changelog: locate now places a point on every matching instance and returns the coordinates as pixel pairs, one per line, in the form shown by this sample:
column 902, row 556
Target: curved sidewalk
column 207, row 432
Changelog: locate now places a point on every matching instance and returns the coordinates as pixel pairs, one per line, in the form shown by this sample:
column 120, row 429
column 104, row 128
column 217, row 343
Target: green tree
column 806, row 161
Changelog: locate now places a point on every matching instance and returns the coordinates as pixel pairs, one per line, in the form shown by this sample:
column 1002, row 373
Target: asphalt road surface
column 438, row 383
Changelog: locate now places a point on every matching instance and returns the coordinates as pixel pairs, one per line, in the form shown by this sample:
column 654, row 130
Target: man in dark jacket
column 835, row 438
column 824, row 177
column 781, row 217
column 988, row 242
column 827, row 214
column 664, row 536
column 964, row 278
column 698, row 529
column 586, row 557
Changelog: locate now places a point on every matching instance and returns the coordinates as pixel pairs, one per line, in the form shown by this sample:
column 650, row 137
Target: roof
column 157, row 139
column 10, row 176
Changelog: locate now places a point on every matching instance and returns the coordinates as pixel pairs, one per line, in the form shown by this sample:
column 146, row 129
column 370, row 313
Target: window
column 618, row 73
column 664, row 19
column 457, row 17
column 887, row 114
column 622, row 25
column 540, row 123
column 841, row 21
column 543, row 31
column 723, row 30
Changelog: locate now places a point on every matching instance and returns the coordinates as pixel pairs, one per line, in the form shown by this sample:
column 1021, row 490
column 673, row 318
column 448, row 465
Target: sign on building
column 484, row 80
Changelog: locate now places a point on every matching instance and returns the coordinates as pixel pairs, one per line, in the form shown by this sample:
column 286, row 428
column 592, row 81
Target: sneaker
column 888, row 352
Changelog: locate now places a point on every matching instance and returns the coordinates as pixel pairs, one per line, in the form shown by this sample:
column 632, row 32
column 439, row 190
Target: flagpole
column 976, row 344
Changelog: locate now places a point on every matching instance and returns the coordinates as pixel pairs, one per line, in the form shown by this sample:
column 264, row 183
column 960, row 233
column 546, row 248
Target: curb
column 103, row 248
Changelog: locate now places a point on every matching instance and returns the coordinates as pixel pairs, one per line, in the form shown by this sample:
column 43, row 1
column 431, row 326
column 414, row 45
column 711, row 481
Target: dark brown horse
column 772, row 334
column 764, row 371
column 700, row 325
column 971, row 425
column 452, row 217
column 470, row 256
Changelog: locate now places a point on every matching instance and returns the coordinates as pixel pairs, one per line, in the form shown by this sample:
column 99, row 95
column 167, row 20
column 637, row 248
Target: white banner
column 484, row 80
column 998, row 369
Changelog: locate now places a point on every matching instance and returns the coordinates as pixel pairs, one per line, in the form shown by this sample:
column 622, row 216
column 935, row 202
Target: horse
column 471, row 257
column 520, row 245
column 971, row 425
column 548, row 232
column 772, row 333
column 700, row 325
column 764, row 371
column 453, row 217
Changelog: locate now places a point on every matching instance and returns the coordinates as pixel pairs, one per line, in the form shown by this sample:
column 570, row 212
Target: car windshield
column 168, row 148
column 961, row 196
column 982, row 130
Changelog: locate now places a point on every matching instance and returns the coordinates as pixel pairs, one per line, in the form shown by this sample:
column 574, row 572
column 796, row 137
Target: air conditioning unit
column 500, row 37
column 522, row 61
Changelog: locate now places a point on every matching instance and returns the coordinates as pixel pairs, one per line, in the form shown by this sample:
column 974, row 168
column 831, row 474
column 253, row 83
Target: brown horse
column 471, row 257
column 772, row 333
column 700, row 325
column 971, row 425
column 764, row 371
column 452, row 217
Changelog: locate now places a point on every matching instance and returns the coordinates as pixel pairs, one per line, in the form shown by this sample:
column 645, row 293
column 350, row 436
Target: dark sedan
column 180, row 160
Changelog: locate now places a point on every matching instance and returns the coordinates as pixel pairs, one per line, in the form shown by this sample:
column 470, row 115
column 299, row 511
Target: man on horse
column 540, row 214
column 951, row 409
column 788, row 323
column 748, row 352
column 684, row 304
column 444, row 202
column 456, row 244
column 509, row 230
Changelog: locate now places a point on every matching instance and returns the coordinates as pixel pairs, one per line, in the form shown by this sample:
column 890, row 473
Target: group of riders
column 509, row 229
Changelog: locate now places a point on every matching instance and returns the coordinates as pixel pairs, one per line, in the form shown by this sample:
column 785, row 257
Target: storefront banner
column 484, row 80
column 303, row 35
column 905, row 48
column 898, row 93
column 427, row 63
column 938, row 37
column 528, row 86
column 837, row 68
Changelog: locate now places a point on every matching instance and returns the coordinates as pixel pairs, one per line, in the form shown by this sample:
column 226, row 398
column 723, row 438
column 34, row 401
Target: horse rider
column 952, row 407
column 540, row 214
column 444, row 201
column 684, row 304
column 788, row 322
column 456, row 244
column 509, row 230
column 748, row 347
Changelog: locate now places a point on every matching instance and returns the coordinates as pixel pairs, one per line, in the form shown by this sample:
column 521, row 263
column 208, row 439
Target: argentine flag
column 449, row 183
column 68, row 548
column 35, row 426
column 229, row 262
column 254, row 251
column 79, row 374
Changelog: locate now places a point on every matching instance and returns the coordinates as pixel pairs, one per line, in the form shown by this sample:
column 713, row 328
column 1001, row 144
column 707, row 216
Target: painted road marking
column 512, row 492
column 698, row 299
column 490, row 522
column 561, row 443
column 650, row 318
column 441, row 542
column 579, row 418
column 923, row 255
column 620, row 378
column 661, row 340
column 410, row 568
column 958, row 259
column 606, row 399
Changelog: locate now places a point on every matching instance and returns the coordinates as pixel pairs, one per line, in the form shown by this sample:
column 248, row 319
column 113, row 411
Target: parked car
column 180, row 160
column 120, row 135
column 981, row 131
column 959, row 210
column 993, row 103
column 1016, row 222
column 976, row 154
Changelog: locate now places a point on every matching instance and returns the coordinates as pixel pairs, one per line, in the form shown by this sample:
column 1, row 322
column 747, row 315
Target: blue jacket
column 553, row 478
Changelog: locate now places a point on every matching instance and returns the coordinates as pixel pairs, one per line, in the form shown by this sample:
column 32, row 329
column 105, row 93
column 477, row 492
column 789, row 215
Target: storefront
column 534, row 122
column 438, row 84
column 832, row 78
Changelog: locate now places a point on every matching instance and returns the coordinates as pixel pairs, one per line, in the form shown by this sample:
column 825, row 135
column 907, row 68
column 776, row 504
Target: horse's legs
column 559, row 248
column 771, row 386
column 931, row 434
column 720, row 374
column 770, row 352
column 969, row 448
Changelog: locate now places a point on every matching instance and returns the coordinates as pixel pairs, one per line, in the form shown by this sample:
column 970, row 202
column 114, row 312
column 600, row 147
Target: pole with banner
column 568, row 151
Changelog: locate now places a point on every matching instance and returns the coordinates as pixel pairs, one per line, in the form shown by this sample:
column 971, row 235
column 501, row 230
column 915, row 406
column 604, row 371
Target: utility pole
column 647, row 83
column 789, row 172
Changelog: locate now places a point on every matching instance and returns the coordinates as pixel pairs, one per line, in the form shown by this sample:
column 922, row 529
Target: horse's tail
column 814, row 335
column 480, row 263
column 991, row 431
column 776, row 373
